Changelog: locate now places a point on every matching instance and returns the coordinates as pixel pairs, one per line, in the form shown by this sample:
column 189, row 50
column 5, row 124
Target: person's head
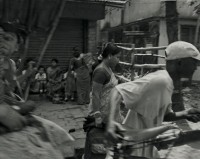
column 76, row 52
column 111, row 54
column 41, row 69
column 181, row 60
column 18, row 62
column 54, row 62
column 10, row 38
column 30, row 63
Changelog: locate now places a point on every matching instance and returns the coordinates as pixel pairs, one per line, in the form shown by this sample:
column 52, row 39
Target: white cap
column 181, row 49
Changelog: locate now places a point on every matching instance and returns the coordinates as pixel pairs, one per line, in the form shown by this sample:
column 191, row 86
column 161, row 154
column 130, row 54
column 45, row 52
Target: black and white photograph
column 100, row 79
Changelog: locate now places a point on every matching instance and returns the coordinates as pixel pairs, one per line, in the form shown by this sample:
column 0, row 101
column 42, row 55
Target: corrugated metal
column 69, row 33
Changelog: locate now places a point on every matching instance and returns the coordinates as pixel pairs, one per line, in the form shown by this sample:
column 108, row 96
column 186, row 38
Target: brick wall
column 92, row 36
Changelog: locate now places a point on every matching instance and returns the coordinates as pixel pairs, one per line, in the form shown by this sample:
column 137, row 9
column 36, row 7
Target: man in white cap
column 181, row 62
column 149, row 98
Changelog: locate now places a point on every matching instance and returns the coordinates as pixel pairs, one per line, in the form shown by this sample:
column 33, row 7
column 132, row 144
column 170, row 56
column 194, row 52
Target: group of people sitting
column 59, row 85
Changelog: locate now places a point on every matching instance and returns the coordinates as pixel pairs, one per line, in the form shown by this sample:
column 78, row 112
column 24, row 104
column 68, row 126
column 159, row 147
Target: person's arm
column 96, row 92
column 44, row 77
column 37, row 76
column 145, row 134
column 115, row 101
column 71, row 67
column 189, row 114
column 99, row 79
column 11, row 119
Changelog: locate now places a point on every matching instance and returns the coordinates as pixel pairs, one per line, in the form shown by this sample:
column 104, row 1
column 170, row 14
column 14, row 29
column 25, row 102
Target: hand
column 27, row 107
column 193, row 115
column 11, row 119
column 172, row 126
column 75, row 74
column 98, row 122
column 114, row 133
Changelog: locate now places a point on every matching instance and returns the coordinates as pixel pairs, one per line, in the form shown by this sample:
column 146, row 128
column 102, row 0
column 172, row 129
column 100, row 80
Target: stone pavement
column 69, row 116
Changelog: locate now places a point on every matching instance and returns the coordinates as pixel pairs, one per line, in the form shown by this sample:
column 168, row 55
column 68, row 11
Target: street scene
column 100, row 79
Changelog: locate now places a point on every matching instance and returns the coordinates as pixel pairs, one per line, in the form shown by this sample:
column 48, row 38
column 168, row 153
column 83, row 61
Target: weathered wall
column 134, row 10
column 112, row 18
column 185, row 10
column 142, row 9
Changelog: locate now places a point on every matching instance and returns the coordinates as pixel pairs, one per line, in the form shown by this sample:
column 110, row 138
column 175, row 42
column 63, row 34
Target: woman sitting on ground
column 54, row 76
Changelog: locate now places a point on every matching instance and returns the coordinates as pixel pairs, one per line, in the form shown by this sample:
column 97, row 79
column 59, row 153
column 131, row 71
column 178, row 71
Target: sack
column 97, row 138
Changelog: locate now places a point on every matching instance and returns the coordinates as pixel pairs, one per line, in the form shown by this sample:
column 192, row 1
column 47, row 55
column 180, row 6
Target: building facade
column 77, row 27
column 151, row 23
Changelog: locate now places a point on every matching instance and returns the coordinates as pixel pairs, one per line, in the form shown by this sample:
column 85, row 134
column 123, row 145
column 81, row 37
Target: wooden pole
column 21, row 66
column 23, row 59
column 132, row 63
column 54, row 26
column 50, row 35
column 143, row 49
column 197, row 31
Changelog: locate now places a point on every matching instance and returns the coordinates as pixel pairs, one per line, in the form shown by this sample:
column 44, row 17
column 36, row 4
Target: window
column 188, row 33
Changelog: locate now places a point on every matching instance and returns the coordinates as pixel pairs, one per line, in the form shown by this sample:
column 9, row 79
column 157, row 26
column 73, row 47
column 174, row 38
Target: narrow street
column 71, row 116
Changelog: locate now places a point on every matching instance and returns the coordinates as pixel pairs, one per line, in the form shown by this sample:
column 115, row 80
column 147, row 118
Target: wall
column 142, row 9
column 185, row 10
column 134, row 10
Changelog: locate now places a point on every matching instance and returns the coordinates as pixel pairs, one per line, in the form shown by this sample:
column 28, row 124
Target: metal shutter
column 69, row 33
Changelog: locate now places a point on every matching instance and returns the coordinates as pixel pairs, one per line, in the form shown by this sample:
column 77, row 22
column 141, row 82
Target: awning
column 110, row 3
column 85, row 9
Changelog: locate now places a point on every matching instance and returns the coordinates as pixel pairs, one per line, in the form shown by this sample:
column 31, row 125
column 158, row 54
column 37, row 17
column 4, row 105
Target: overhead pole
column 197, row 30
column 50, row 35
column 48, row 39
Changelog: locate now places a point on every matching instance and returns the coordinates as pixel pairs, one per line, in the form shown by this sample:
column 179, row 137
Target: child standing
column 41, row 79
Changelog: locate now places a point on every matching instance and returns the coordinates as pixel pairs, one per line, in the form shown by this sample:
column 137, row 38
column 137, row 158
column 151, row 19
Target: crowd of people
column 60, row 85
column 149, row 100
